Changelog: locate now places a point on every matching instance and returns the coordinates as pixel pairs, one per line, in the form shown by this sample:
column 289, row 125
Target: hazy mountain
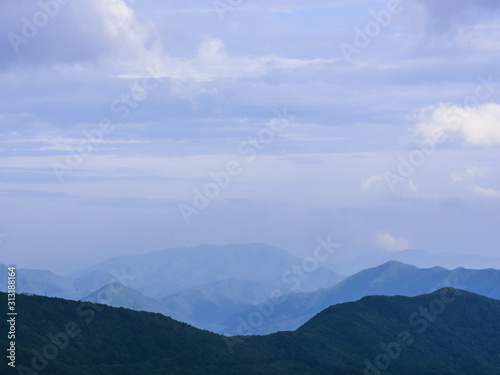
column 204, row 285
column 163, row 273
column 422, row 259
column 40, row 282
column 117, row 295
column 391, row 278
column 198, row 270
column 447, row 332
column 209, row 307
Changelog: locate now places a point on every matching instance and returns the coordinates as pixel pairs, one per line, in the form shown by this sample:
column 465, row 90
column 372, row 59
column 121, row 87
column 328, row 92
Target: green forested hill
column 446, row 332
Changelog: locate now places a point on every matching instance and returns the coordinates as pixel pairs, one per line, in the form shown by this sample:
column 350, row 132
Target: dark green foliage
column 461, row 338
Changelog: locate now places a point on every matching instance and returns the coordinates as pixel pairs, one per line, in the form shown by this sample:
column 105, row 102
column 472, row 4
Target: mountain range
column 241, row 289
column 447, row 332
column 203, row 285
column 391, row 278
column 349, row 265
column 291, row 310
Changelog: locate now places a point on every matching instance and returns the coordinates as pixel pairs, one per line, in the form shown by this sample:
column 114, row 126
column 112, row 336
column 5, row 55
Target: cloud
column 485, row 36
column 474, row 125
column 460, row 25
column 196, row 77
column 373, row 181
column 389, row 242
column 213, row 62
column 443, row 15
column 470, row 171
column 484, row 192
column 91, row 32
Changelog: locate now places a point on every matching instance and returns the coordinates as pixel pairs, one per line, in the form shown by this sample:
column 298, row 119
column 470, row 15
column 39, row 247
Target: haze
column 133, row 126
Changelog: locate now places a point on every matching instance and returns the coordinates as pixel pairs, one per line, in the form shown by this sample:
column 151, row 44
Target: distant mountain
column 212, row 305
column 418, row 258
column 391, row 278
column 164, row 273
column 447, row 332
column 167, row 272
column 203, row 285
column 117, row 295
column 40, row 282
column 423, row 259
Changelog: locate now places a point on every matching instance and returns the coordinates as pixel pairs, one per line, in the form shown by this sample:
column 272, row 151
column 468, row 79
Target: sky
column 132, row 126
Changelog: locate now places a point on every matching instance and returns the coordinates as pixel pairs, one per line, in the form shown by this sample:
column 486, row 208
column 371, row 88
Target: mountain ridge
column 390, row 278
column 350, row 338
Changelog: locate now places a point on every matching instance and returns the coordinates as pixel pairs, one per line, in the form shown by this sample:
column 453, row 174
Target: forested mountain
column 391, row 278
column 446, row 332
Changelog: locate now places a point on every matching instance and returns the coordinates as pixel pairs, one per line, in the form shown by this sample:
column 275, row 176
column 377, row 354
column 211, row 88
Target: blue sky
column 132, row 126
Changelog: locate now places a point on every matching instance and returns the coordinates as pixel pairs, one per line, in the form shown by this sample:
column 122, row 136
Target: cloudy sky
column 131, row 126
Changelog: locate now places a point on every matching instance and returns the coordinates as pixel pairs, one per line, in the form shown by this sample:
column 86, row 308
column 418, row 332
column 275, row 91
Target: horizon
column 335, row 263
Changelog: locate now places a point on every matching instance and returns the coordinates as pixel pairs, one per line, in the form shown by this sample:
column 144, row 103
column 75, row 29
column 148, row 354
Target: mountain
column 166, row 272
column 212, row 305
column 349, row 265
column 391, row 278
column 207, row 309
column 204, row 285
column 446, row 332
column 117, row 295
column 40, row 282
column 423, row 259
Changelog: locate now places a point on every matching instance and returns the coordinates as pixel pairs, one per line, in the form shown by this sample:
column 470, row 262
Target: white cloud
column 483, row 36
column 389, row 242
column 103, row 33
column 475, row 125
column 484, row 192
column 133, row 45
column 214, row 62
column 470, row 171
column 373, row 181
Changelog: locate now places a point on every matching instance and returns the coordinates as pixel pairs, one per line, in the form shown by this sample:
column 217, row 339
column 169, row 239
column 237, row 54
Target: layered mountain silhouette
column 163, row 273
column 446, row 332
column 40, row 282
column 391, row 278
column 418, row 258
column 241, row 289
column 203, row 285
column 118, row 295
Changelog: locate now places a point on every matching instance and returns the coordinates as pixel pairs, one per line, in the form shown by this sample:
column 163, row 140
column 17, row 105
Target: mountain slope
column 391, row 278
column 211, row 305
column 205, row 285
column 117, row 295
column 202, row 285
column 412, row 329
column 40, row 282
column 460, row 337
column 163, row 273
